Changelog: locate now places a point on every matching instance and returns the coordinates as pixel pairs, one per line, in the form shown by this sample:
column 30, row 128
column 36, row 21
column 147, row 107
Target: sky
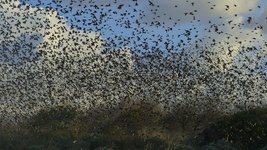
column 141, row 26
column 144, row 25
column 113, row 20
column 74, row 30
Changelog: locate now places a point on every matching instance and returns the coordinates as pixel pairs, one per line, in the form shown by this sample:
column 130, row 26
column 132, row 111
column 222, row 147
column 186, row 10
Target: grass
column 138, row 127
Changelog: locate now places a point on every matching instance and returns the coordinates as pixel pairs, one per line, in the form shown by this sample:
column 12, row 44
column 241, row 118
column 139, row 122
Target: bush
column 58, row 117
column 244, row 130
column 136, row 127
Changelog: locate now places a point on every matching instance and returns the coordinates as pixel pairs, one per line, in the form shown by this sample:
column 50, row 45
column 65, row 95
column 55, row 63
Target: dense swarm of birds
column 48, row 60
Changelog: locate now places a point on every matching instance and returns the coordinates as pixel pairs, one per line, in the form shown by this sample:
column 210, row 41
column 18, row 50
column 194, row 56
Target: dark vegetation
column 137, row 127
column 245, row 130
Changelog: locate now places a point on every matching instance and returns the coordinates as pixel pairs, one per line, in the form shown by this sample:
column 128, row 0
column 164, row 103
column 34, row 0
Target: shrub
column 245, row 130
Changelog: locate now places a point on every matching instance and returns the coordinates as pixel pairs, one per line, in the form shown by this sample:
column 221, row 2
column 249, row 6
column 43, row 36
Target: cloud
column 20, row 50
column 229, row 17
column 55, row 37
column 50, row 38
column 261, row 19
column 184, row 11
column 74, row 66
column 67, row 58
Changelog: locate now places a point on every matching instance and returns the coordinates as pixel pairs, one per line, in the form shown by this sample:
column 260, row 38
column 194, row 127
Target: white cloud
column 181, row 9
column 60, row 42
column 39, row 83
column 57, row 36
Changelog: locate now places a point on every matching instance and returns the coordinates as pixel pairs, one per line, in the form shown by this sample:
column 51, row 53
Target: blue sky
column 133, row 23
column 114, row 23
column 163, row 25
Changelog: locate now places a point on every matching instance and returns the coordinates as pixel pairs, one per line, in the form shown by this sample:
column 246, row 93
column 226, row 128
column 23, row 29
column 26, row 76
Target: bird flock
column 104, row 54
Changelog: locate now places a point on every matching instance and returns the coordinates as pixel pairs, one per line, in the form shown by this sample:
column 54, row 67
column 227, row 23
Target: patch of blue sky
column 22, row 49
column 120, row 28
